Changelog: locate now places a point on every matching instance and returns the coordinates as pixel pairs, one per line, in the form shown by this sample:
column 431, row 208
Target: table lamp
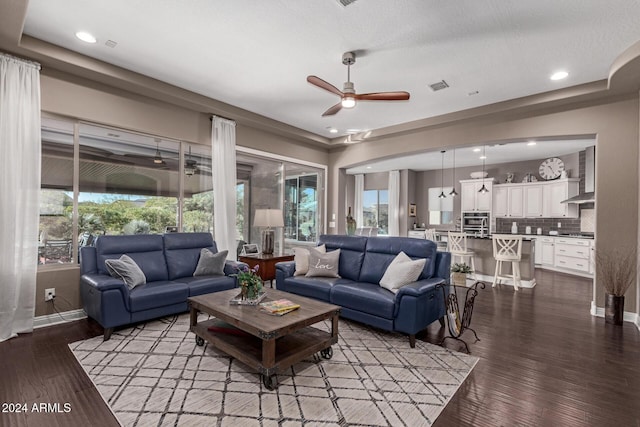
column 268, row 218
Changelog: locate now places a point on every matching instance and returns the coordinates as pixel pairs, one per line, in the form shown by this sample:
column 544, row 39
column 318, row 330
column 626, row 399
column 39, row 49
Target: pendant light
column 453, row 192
column 483, row 189
column 442, row 195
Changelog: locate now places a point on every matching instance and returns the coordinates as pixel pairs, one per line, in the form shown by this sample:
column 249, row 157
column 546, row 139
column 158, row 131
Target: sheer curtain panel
column 19, row 193
column 394, row 203
column 223, row 152
column 358, row 200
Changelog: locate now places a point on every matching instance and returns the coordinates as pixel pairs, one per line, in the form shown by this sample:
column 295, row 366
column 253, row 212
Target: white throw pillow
column 301, row 258
column 323, row 265
column 402, row 271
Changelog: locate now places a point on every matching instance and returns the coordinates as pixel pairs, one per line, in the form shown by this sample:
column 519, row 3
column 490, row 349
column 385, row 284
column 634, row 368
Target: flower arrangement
column 461, row 268
column 249, row 281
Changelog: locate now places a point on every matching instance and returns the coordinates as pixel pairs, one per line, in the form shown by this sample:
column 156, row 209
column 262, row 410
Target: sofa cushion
column 351, row 253
column 199, row 285
column 323, row 264
column 312, row 287
column 182, row 251
column 402, row 271
column 126, row 269
column 210, row 264
column 366, row 297
column 301, row 259
column 382, row 250
column 157, row 294
column 147, row 250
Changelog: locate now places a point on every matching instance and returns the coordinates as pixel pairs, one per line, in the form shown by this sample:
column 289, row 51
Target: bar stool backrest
column 507, row 247
column 457, row 242
column 430, row 234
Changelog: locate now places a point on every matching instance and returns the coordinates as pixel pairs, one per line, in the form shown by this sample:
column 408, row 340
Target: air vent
column 110, row 43
column 438, row 86
column 346, row 3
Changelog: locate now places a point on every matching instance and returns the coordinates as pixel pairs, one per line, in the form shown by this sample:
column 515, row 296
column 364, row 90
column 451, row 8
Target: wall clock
column 551, row 168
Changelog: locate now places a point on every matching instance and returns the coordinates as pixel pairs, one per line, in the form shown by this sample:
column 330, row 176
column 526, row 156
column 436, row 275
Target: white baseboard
column 523, row 283
column 627, row 317
column 56, row 319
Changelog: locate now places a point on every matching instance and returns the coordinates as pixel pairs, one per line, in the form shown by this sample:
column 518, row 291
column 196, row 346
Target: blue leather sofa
column 168, row 262
column 363, row 262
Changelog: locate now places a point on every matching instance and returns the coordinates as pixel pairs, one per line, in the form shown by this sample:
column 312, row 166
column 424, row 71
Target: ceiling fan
column 192, row 167
column 348, row 95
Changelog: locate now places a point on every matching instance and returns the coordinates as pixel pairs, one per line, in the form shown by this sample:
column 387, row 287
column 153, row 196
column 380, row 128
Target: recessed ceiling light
column 368, row 167
column 85, row 37
column 531, row 143
column 333, row 130
column 476, row 150
column 483, row 157
column 559, row 75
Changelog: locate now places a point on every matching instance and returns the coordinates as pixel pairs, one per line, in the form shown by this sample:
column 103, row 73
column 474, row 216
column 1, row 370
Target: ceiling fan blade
column 331, row 111
column 383, row 96
column 317, row 81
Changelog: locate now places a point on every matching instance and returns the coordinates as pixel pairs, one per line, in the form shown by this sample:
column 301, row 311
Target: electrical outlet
column 559, row 225
column 49, row 294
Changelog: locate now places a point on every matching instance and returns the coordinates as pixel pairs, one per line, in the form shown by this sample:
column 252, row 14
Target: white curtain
column 394, row 203
column 19, row 193
column 223, row 155
column 358, row 200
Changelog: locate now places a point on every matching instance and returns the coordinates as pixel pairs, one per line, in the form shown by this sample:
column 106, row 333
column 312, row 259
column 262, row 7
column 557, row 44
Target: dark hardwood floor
column 544, row 361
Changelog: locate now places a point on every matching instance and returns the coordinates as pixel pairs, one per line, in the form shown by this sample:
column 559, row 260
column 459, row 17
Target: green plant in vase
column 459, row 273
column 249, row 282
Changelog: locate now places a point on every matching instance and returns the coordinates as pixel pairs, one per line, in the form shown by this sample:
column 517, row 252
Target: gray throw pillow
column 126, row 270
column 211, row 264
column 323, row 265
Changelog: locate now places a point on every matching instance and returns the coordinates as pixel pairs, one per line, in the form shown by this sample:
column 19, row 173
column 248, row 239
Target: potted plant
column 615, row 269
column 459, row 273
column 249, row 282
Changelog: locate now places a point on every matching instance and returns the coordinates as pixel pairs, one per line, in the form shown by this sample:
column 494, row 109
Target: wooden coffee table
column 272, row 343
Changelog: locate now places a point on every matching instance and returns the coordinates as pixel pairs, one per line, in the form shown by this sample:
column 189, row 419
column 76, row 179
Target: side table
column 266, row 264
column 457, row 323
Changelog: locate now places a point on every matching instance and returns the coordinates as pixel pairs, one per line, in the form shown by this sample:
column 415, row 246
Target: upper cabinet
column 536, row 199
column 471, row 200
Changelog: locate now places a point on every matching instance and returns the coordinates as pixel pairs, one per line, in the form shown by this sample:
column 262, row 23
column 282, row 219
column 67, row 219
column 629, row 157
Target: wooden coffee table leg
column 268, row 363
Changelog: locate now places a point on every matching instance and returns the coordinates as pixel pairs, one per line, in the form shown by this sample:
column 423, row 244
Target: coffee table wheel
column 270, row 381
column 327, row 353
column 199, row 341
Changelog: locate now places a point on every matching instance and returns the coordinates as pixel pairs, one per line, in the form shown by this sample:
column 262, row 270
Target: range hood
column 589, row 195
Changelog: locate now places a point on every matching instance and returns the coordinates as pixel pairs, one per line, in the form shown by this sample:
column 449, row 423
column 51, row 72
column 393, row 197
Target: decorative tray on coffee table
column 237, row 300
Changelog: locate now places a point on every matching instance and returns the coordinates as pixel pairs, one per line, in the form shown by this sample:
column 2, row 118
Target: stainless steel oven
column 476, row 223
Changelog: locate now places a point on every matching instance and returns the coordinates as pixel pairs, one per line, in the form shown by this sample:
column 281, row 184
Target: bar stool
column 507, row 248
column 457, row 245
column 430, row 234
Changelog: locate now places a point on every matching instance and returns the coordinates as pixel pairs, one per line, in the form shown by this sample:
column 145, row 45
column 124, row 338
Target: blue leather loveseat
column 168, row 262
column 363, row 262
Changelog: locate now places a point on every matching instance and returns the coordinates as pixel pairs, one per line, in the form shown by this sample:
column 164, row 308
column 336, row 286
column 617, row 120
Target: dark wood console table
column 266, row 264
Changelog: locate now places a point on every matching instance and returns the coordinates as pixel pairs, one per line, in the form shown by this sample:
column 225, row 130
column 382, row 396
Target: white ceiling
column 470, row 156
column 257, row 54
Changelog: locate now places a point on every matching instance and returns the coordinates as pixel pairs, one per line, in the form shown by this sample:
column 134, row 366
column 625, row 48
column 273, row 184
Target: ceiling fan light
column 157, row 159
column 348, row 102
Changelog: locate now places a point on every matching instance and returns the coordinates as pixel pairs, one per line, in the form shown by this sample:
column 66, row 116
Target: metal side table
column 457, row 324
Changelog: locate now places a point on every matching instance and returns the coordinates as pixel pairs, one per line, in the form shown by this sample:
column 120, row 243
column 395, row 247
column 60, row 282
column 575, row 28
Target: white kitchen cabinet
column 537, row 251
column 471, row 200
column 416, row 234
column 516, row 202
column 533, row 201
column 547, row 246
column 553, row 195
column 500, row 201
column 572, row 254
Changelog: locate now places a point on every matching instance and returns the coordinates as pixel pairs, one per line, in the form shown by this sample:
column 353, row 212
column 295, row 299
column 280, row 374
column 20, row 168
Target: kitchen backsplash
column 569, row 225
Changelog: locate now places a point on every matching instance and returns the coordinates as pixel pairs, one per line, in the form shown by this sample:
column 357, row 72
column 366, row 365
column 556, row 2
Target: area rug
column 155, row 375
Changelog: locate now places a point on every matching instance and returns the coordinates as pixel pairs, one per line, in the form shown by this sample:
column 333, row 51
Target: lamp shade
column 268, row 218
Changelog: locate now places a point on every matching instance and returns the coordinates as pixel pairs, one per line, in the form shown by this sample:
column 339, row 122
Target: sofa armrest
column 287, row 268
column 420, row 287
column 233, row 267
column 88, row 261
column 102, row 282
column 443, row 266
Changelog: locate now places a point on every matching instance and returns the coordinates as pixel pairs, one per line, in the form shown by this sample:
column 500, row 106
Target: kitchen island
column 486, row 265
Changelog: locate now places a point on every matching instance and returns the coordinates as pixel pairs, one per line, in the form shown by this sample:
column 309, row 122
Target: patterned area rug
column 155, row 375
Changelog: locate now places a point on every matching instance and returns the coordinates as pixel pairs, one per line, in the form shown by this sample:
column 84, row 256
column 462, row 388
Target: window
column 440, row 210
column 128, row 183
column 55, row 243
column 375, row 210
column 301, row 208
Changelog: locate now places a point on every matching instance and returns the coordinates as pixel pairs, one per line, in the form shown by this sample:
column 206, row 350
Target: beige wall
column 614, row 121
